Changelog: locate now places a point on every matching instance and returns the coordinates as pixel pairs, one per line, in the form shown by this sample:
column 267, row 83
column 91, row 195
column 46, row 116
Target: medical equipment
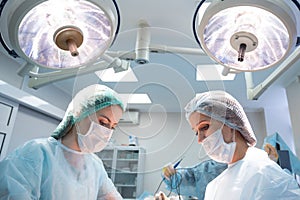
column 176, row 164
column 194, row 179
column 177, row 187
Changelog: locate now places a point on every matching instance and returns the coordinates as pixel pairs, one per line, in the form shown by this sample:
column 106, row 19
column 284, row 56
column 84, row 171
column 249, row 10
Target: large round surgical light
column 61, row 33
column 247, row 35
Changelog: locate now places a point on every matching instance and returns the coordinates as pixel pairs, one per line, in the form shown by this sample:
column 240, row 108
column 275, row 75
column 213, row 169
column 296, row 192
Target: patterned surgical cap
column 86, row 102
column 221, row 106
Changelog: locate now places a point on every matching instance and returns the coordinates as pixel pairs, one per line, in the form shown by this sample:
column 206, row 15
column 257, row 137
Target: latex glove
column 168, row 171
column 272, row 152
column 161, row 196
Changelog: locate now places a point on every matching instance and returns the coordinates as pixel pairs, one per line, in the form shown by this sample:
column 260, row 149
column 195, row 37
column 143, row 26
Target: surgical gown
column 253, row 177
column 46, row 169
column 194, row 180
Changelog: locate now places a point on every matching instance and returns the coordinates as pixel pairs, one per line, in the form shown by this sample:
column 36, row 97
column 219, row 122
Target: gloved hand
column 168, row 171
column 272, row 152
column 160, row 196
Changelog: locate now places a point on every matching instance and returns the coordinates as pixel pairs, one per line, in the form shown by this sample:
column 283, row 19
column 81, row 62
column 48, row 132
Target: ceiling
column 170, row 77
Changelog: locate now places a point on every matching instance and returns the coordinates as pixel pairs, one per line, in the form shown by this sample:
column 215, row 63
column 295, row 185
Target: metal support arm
column 37, row 80
column 253, row 93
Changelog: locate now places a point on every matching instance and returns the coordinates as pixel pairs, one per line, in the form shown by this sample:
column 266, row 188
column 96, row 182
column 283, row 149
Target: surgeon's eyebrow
column 105, row 117
column 100, row 115
column 198, row 124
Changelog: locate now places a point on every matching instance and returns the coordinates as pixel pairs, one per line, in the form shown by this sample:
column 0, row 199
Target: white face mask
column 217, row 149
column 95, row 139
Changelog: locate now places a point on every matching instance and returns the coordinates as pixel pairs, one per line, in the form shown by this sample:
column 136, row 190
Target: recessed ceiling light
column 135, row 98
column 109, row 75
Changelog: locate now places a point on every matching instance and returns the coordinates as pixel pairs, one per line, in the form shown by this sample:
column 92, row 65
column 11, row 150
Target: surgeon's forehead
column 196, row 118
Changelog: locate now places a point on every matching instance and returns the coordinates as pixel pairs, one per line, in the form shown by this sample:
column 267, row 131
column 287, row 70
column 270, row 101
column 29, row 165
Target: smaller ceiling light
column 135, row 98
column 247, row 35
column 109, row 75
column 61, row 33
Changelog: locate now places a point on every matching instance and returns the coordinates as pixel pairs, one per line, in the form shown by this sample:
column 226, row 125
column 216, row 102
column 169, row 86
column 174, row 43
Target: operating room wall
column 9, row 68
column 30, row 124
column 277, row 115
column 167, row 137
column 293, row 94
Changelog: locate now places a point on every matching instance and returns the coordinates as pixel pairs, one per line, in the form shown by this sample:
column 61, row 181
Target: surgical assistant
column 226, row 135
column 192, row 181
column 64, row 165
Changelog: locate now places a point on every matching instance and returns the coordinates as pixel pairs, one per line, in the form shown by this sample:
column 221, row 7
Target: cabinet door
column 8, row 110
column 127, row 172
column 125, row 166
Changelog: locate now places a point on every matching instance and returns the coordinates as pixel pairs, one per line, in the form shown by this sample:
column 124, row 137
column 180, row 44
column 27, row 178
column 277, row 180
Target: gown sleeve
column 20, row 174
column 193, row 180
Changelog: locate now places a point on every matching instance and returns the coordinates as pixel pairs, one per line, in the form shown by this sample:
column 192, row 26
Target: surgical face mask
column 217, row 149
column 95, row 139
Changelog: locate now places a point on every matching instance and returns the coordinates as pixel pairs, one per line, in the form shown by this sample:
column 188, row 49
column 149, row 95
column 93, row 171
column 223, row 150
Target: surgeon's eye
column 102, row 123
column 204, row 128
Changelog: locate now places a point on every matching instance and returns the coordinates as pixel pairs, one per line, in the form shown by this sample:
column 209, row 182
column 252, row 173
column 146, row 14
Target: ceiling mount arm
column 142, row 43
column 171, row 49
column 116, row 63
column 253, row 93
column 37, row 80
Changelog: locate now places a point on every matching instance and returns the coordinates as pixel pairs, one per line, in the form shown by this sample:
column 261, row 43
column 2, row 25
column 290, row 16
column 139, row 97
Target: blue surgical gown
column 46, row 169
column 193, row 180
column 276, row 139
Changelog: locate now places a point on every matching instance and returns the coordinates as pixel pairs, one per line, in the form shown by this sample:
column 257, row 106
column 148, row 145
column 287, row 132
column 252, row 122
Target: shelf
column 128, row 160
column 106, row 159
column 126, row 172
column 124, row 185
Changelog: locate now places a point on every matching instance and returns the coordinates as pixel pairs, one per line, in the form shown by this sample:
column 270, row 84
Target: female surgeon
column 226, row 135
column 64, row 165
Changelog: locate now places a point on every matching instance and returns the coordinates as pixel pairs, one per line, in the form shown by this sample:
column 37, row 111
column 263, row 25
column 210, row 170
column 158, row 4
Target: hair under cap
column 222, row 107
column 86, row 102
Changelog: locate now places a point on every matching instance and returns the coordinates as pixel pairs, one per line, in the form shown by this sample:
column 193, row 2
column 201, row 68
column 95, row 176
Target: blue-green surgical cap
column 86, row 102
column 221, row 106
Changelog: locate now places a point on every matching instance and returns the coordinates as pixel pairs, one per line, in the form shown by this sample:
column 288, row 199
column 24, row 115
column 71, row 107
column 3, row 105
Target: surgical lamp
column 59, row 34
column 246, row 35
